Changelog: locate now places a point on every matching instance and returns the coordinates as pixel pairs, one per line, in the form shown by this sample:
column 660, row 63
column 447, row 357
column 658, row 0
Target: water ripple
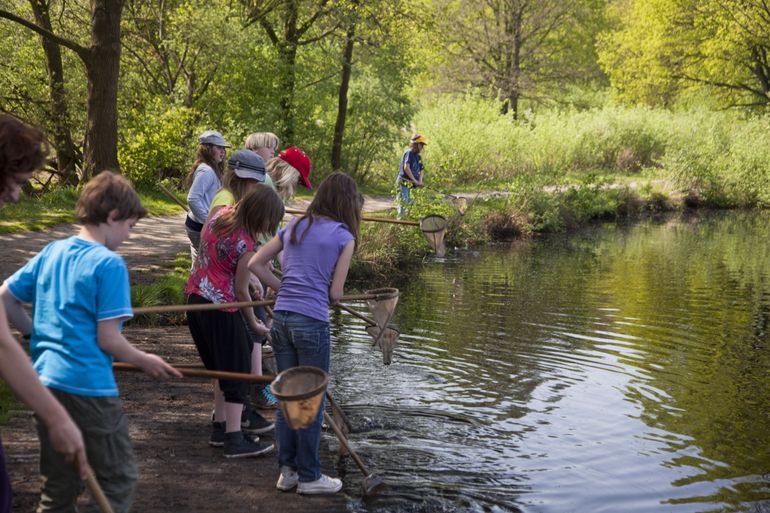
column 616, row 370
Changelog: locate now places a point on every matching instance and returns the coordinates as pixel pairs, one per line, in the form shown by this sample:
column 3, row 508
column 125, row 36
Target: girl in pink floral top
column 213, row 275
column 221, row 275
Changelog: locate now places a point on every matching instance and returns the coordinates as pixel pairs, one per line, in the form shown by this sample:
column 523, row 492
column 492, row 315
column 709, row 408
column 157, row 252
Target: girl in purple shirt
column 317, row 250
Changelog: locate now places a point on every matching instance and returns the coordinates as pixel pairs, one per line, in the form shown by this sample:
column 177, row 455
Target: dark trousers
column 105, row 430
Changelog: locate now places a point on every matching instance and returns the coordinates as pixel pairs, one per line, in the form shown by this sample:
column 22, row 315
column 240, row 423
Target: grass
column 33, row 213
column 378, row 188
column 58, row 207
column 166, row 290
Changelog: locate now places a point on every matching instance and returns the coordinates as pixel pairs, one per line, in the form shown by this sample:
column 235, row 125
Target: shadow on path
column 149, row 252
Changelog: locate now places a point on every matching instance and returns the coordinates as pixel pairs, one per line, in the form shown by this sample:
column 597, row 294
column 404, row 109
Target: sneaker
column 324, row 484
column 238, row 446
column 288, row 479
column 217, row 434
column 264, row 398
column 252, row 422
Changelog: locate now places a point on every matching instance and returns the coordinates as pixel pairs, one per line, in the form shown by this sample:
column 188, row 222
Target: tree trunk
column 515, row 93
column 66, row 153
column 513, row 101
column 102, row 69
column 287, row 49
column 288, row 81
column 189, row 98
column 513, row 32
column 761, row 70
column 342, row 102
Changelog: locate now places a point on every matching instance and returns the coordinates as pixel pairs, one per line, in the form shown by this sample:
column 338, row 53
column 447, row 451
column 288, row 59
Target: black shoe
column 217, row 434
column 252, row 422
column 238, row 446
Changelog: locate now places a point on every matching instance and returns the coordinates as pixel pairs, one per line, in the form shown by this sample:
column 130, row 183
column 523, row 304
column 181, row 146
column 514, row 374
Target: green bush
column 721, row 161
column 160, row 146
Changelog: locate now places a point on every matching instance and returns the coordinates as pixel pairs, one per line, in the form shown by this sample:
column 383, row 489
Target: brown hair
column 236, row 185
column 104, row 193
column 338, row 199
column 22, row 149
column 259, row 212
column 205, row 155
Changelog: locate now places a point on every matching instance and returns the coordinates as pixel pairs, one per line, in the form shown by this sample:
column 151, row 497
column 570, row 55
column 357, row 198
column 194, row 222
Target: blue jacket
column 415, row 164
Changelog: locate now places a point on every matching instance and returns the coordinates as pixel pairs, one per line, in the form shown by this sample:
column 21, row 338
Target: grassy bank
column 716, row 158
column 58, row 207
column 166, row 290
column 524, row 209
column 561, row 169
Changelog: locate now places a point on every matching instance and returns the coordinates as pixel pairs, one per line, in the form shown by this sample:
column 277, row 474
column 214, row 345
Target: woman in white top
column 205, row 180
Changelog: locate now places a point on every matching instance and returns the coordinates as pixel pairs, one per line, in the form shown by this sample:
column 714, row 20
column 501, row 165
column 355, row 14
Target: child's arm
column 113, row 342
column 17, row 316
column 259, row 263
column 341, row 271
column 17, row 371
column 242, row 293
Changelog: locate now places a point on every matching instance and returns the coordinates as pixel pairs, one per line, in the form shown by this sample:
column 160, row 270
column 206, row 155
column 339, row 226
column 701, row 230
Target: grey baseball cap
column 212, row 137
column 247, row 164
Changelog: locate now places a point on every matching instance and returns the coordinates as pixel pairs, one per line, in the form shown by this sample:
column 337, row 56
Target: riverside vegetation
column 547, row 172
column 574, row 110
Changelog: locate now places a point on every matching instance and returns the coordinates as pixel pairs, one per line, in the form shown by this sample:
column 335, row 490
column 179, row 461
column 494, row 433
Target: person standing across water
column 410, row 172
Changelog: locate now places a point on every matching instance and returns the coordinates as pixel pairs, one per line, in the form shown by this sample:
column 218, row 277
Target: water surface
column 622, row 369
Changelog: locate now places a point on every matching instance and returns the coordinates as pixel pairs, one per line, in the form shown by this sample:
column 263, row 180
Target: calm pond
column 621, row 369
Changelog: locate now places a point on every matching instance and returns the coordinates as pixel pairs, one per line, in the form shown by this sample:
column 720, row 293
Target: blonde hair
column 284, row 176
column 259, row 140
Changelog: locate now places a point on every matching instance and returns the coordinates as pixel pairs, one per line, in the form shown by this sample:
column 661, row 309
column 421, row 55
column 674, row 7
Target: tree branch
column 309, row 22
column 256, row 14
column 727, row 85
column 314, row 82
column 271, row 35
column 319, row 37
column 67, row 43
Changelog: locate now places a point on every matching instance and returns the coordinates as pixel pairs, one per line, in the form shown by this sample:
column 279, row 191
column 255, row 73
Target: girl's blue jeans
column 300, row 340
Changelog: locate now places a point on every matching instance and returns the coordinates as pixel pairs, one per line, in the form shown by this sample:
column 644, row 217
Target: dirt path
column 169, row 422
column 149, row 252
column 169, row 425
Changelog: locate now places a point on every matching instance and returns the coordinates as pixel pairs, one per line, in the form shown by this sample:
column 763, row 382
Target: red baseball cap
column 299, row 161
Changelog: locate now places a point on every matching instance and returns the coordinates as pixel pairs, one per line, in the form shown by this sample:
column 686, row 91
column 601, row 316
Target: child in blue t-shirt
column 317, row 251
column 79, row 291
